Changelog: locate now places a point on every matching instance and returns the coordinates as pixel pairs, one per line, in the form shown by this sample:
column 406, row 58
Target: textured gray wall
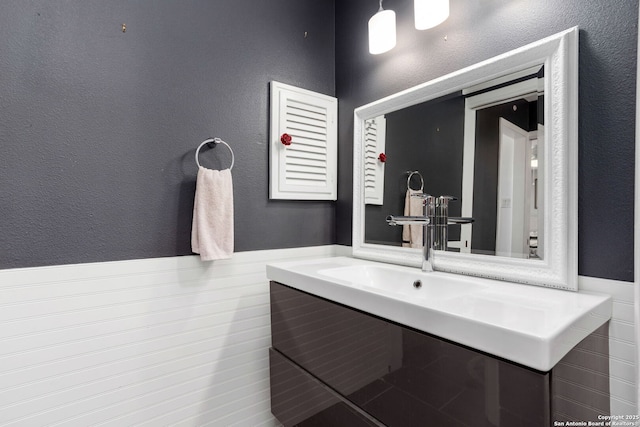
column 480, row 29
column 98, row 127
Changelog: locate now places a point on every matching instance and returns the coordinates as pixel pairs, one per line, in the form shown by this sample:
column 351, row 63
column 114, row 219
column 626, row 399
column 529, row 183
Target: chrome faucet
column 434, row 221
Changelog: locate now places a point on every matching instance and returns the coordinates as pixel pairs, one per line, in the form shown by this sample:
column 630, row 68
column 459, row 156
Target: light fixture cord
column 380, row 10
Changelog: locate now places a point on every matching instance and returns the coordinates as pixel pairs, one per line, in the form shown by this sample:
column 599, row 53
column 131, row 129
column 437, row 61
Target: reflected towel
column 412, row 234
column 212, row 227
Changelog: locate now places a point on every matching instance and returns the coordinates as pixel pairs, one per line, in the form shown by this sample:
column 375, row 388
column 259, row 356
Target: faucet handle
column 427, row 199
column 421, row 195
column 444, row 200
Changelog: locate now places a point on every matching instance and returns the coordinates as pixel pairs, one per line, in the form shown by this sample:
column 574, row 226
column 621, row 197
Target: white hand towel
column 212, row 227
column 412, row 234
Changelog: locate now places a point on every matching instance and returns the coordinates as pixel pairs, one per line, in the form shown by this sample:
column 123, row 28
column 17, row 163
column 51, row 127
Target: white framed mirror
column 501, row 137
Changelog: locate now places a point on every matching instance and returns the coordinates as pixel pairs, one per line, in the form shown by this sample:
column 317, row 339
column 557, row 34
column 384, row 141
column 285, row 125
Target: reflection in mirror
column 493, row 170
column 501, row 137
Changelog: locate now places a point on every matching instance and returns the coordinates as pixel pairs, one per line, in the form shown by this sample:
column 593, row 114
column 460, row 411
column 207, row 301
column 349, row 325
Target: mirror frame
column 559, row 268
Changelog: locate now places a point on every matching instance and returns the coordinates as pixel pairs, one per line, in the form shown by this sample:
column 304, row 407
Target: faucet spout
column 453, row 220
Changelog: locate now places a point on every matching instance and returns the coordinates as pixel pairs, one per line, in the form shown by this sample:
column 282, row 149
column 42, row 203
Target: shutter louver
column 306, row 158
column 306, row 169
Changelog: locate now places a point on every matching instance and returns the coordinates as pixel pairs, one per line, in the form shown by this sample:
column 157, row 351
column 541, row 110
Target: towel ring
column 411, row 173
column 216, row 141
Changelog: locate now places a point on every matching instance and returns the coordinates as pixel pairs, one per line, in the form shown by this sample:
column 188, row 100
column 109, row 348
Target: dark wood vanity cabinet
column 335, row 366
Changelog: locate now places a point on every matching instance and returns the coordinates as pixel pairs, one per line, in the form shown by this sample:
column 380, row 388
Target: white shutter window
column 374, row 142
column 307, row 169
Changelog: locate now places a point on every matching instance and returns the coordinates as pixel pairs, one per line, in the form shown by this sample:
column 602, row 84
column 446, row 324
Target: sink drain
column 417, row 284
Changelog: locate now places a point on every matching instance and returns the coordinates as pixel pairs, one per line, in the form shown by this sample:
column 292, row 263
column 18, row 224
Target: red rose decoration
column 285, row 139
column 382, row 157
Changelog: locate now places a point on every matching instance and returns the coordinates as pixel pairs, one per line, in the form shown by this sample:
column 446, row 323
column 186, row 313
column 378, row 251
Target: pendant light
column 429, row 13
column 382, row 31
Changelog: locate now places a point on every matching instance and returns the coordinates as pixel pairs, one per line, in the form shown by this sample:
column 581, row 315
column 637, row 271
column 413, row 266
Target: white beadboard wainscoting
column 622, row 347
column 155, row 342
column 175, row 341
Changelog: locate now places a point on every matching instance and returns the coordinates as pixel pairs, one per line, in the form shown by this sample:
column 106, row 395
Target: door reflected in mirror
column 483, row 145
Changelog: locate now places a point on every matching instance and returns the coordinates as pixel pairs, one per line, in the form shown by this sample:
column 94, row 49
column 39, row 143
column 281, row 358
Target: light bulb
column 382, row 31
column 429, row 13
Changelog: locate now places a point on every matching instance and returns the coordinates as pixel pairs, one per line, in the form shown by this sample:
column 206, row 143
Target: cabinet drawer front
column 299, row 399
column 401, row 376
column 343, row 347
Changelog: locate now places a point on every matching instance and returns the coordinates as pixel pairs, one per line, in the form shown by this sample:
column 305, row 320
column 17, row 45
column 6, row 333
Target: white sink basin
column 530, row 325
column 411, row 283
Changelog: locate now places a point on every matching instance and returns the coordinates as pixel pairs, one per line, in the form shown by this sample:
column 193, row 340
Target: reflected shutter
column 374, row 143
